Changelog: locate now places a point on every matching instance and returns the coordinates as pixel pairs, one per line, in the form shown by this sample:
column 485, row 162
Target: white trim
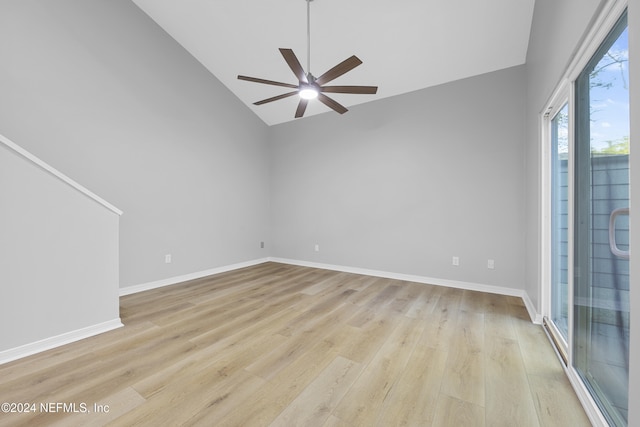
column 531, row 309
column 406, row 277
column 557, row 102
column 590, row 406
column 600, row 28
column 128, row 290
column 535, row 317
column 58, row 340
column 545, row 206
column 571, row 197
column 471, row 286
column 561, row 97
column 62, row 177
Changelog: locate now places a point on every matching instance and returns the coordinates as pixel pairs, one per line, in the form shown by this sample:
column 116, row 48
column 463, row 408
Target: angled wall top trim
column 62, row 177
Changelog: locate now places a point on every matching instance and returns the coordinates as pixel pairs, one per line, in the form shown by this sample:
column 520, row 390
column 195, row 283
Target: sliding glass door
column 586, row 146
column 601, row 227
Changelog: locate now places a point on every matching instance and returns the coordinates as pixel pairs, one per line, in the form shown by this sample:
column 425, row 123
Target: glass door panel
column 559, row 224
column 601, row 234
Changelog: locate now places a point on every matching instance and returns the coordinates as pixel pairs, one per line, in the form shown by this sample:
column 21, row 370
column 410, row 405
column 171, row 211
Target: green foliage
column 620, row 146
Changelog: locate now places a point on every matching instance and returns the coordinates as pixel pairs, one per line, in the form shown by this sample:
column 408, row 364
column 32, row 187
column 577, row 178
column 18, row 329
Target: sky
column 610, row 106
column 609, row 103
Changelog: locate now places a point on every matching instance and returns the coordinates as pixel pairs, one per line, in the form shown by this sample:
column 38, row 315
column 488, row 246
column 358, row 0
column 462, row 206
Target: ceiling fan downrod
column 309, row 37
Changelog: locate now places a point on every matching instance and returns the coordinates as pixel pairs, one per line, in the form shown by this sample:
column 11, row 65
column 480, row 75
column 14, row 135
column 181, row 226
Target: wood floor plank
column 242, row 322
column 497, row 324
column 556, row 403
column 277, row 344
column 101, row 414
column 334, row 421
column 273, row 362
column 316, row 311
column 464, row 372
column 360, row 283
column 405, row 298
column 207, row 393
column 449, row 300
column 108, row 368
column 440, row 327
column 425, row 302
column 498, row 304
column 329, row 284
column 268, row 401
column 366, row 341
column 474, row 301
column 364, row 401
column 314, row 405
column 234, row 396
column 412, row 402
column 365, row 295
column 385, row 296
column 220, row 358
column 539, row 358
column 452, row 412
column 508, row 397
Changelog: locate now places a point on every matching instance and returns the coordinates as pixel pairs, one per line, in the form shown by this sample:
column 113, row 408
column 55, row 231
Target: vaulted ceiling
column 405, row 45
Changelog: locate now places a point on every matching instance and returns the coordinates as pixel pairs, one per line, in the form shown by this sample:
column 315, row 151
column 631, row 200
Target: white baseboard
column 406, row 277
column 535, row 318
column 471, row 286
column 186, row 277
column 533, row 313
column 58, row 340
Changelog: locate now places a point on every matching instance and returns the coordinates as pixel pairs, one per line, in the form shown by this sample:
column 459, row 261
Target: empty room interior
column 440, row 236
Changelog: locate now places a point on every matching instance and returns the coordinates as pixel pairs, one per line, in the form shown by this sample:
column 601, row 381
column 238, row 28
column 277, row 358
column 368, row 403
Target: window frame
column 561, row 98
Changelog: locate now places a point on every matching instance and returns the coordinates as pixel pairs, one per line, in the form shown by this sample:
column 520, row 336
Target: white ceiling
column 405, row 45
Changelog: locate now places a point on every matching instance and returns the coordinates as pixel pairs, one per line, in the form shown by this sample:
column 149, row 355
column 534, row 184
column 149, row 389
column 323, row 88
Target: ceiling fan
column 310, row 87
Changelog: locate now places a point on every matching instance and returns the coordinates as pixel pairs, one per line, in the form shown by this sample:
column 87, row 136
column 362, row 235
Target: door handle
column 612, row 233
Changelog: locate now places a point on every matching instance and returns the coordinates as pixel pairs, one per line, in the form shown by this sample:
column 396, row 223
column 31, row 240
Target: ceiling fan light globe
column 308, row 93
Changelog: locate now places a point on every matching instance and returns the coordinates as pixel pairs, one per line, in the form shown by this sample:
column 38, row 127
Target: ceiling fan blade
column 302, row 106
column 276, row 98
column 364, row 90
column 331, row 104
column 294, row 64
column 343, row 67
column 267, row 82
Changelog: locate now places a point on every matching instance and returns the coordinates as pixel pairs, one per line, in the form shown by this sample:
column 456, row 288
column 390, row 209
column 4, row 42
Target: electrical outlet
column 455, row 261
column 316, row 248
column 167, row 259
column 491, row 264
column 261, row 245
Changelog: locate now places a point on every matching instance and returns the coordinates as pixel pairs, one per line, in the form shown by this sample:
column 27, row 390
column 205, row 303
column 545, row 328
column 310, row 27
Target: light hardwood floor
column 280, row 345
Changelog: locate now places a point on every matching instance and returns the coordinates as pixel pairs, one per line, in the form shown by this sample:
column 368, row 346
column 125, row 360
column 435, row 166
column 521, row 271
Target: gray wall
column 58, row 256
column 403, row 184
column 96, row 89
